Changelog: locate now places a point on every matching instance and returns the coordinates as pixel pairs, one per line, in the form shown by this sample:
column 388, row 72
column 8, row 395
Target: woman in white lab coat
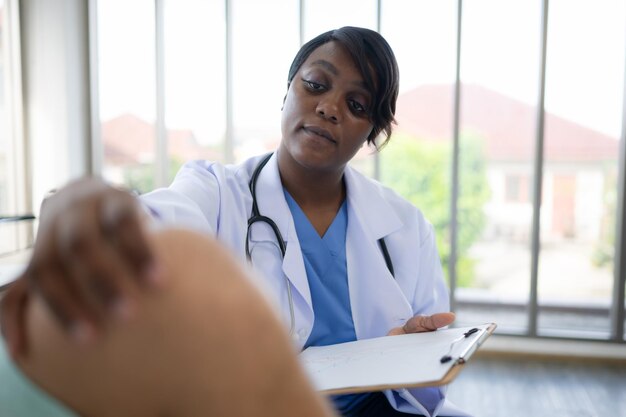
column 216, row 199
column 342, row 90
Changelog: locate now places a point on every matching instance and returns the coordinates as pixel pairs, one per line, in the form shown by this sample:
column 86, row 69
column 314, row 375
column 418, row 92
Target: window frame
column 533, row 187
column 18, row 166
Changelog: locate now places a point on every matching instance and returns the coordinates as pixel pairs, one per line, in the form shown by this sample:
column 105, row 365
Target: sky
column 500, row 50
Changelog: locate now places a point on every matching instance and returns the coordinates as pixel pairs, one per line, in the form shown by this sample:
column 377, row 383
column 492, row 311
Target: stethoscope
column 257, row 217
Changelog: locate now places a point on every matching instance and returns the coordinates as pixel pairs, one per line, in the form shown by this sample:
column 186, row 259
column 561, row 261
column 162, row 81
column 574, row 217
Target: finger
column 12, row 317
column 80, row 258
column 443, row 319
column 396, row 331
column 418, row 324
column 102, row 286
column 97, row 272
column 64, row 302
column 109, row 279
column 122, row 225
column 112, row 291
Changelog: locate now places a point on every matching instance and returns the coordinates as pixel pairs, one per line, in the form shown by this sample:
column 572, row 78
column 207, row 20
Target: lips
column 316, row 130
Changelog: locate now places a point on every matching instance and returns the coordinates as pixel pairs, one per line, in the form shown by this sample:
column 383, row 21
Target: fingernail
column 122, row 308
column 82, row 332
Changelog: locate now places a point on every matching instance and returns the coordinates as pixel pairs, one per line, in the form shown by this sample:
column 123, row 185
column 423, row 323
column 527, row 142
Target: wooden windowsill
column 553, row 349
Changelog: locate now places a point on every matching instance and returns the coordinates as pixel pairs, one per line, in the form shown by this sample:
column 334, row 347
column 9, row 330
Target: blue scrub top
column 327, row 273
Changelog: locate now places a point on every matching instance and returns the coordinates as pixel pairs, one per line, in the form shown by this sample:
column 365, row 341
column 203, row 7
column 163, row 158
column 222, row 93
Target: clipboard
column 391, row 362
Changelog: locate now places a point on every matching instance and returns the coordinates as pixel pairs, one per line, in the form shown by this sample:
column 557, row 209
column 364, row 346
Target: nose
column 328, row 108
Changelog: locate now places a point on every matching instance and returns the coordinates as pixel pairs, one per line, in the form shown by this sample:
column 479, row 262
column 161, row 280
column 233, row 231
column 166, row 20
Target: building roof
column 507, row 125
column 129, row 140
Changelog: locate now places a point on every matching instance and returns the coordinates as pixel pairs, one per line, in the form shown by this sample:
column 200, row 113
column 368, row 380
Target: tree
column 140, row 178
column 603, row 253
column 420, row 171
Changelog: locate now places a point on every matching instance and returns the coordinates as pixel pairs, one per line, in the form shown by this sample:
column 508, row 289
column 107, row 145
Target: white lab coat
column 214, row 198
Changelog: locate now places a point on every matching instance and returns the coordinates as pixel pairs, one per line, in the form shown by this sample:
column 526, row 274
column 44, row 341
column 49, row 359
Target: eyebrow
column 330, row 67
column 333, row 69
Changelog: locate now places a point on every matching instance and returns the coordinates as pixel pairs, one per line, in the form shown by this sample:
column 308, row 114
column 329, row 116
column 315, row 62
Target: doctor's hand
column 91, row 252
column 418, row 324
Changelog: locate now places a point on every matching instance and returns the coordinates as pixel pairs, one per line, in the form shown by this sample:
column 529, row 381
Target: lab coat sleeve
column 192, row 201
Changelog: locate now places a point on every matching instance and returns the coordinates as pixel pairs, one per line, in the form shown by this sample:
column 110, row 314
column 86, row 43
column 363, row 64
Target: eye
column 313, row 86
column 357, row 107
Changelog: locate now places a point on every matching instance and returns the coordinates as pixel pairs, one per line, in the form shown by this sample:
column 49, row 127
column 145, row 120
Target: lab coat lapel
column 378, row 304
column 271, row 202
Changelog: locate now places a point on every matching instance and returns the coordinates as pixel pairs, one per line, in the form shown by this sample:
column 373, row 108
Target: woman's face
column 325, row 115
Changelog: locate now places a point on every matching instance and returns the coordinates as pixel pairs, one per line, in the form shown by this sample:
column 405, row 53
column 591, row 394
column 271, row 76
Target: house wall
column 581, row 205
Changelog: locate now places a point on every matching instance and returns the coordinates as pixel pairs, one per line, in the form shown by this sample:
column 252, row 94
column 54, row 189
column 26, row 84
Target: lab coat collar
column 365, row 197
column 377, row 301
column 272, row 203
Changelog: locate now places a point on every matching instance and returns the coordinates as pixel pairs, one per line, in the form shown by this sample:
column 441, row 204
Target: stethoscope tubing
column 256, row 217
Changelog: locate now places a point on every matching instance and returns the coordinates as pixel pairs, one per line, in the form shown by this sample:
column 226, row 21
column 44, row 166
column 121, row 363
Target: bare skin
column 91, row 251
column 207, row 344
column 418, row 324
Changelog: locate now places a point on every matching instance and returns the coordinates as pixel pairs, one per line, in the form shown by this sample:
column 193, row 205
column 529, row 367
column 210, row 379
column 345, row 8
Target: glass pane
column 324, row 15
column 262, row 54
column 126, row 67
column 195, row 71
column 500, row 82
column 4, row 128
column 584, row 92
column 8, row 232
column 416, row 162
column 14, row 235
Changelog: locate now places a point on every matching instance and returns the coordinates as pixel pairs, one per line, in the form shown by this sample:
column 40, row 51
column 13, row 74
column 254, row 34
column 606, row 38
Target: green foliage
column 603, row 253
column 140, row 178
column 420, row 171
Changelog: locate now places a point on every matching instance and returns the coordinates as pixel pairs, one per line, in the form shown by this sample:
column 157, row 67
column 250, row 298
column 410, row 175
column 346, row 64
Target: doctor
column 344, row 257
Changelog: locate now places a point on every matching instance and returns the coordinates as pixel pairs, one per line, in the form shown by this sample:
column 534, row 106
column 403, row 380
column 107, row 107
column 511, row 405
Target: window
column 13, row 185
column 194, row 77
column 517, row 189
column 219, row 98
column 584, row 96
column 261, row 54
column 416, row 162
column 126, row 60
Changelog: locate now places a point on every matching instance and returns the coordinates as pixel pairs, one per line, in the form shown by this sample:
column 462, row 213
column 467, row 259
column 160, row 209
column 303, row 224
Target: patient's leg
column 203, row 344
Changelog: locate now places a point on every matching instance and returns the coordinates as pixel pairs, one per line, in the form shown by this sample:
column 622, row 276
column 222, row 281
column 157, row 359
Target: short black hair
column 376, row 62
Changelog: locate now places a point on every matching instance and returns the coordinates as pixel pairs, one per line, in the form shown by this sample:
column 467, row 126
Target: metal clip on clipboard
column 469, row 350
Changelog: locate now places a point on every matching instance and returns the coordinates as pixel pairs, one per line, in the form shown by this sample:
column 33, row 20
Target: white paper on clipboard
column 393, row 361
